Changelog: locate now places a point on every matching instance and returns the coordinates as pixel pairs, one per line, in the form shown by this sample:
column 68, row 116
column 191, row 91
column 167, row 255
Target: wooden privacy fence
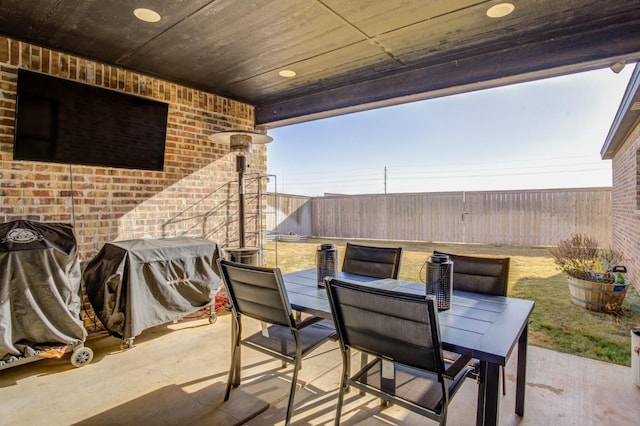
column 530, row 217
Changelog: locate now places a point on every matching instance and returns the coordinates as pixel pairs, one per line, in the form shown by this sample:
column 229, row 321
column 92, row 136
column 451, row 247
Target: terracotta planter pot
column 595, row 296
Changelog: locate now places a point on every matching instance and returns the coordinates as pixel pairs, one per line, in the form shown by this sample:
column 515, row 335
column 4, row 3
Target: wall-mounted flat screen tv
column 62, row 121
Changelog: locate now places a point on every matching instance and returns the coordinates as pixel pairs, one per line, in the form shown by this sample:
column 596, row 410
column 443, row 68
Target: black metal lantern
column 440, row 280
column 327, row 262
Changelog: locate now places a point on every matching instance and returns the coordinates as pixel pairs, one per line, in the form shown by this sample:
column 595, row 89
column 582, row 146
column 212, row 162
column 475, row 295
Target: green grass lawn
column 555, row 324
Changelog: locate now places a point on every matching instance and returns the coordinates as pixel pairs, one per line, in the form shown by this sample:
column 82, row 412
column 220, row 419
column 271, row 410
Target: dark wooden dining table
column 482, row 326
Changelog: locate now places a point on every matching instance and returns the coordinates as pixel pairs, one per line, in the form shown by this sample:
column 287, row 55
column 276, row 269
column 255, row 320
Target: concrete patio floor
column 176, row 375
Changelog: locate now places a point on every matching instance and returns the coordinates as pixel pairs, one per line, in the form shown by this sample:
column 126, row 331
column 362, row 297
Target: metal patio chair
column 478, row 274
column 402, row 333
column 379, row 262
column 259, row 293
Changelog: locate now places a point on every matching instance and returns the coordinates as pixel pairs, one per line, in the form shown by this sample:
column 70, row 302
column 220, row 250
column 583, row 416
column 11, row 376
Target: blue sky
column 536, row 135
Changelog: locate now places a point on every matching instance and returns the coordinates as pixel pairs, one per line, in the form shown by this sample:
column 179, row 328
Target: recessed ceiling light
column 287, row 73
column 500, row 10
column 147, row 15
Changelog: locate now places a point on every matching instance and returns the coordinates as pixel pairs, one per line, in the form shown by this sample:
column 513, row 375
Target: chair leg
column 346, row 372
column 363, row 361
column 234, row 371
column 292, row 392
column 346, row 363
column 283, row 349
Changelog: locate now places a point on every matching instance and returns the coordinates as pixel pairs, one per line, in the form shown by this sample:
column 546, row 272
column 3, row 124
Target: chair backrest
column 379, row 262
column 257, row 292
column 488, row 275
column 398, row 326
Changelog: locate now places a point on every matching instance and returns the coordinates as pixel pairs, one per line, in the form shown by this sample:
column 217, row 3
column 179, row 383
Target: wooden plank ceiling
column 348, row 54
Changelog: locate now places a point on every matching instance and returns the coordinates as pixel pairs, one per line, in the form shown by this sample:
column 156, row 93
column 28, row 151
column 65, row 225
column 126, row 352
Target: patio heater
column 241, row 141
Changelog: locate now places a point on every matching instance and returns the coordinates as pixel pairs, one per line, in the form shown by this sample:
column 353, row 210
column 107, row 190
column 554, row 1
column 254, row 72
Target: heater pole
column 241, row 167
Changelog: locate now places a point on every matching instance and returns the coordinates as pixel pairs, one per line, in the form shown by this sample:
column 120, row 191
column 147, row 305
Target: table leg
column 488, row 394
column 482, row 379
column 521, row 380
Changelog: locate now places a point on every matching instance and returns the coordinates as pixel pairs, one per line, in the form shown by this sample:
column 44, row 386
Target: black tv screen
column 62, row 121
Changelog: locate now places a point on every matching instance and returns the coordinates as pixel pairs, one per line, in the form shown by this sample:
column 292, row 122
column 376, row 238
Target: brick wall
column 626, row 212
column 106, row 204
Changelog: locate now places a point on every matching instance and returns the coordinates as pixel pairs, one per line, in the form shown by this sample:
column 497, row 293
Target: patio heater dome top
column 240, row 140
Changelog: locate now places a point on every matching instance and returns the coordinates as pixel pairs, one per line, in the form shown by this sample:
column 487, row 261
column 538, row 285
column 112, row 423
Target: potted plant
column 596, row 280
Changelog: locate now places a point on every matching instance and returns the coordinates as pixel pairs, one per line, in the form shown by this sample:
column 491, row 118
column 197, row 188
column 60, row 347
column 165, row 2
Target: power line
column 449, row 174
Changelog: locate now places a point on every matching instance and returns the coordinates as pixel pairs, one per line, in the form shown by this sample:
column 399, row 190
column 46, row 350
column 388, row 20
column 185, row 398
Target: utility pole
column 385, row 179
